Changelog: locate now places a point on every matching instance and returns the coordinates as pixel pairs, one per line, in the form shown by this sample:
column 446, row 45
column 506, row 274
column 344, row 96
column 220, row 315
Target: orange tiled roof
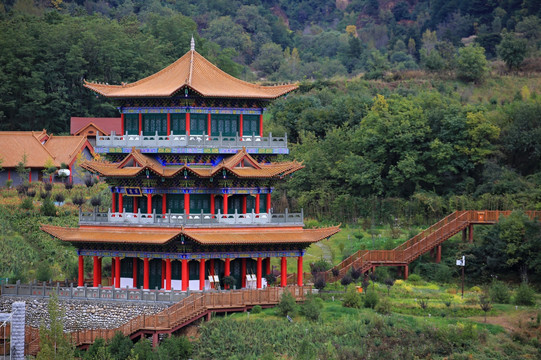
column 195, row 72
column 260, row 236
column 13, row 144
column 142, row 162
column 90, row 126
column 65, row 148
column 115, row 236
column 204, row 237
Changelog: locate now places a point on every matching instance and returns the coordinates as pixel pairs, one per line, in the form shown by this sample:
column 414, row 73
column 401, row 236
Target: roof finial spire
column 192, row 44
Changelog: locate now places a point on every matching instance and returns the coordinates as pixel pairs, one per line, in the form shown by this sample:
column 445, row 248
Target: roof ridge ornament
column 192, row 44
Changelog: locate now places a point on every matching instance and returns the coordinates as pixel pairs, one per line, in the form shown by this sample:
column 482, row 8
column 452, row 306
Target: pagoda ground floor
column 181, row 271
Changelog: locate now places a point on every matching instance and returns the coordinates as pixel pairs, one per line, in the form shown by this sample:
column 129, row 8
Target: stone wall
column 83, row 314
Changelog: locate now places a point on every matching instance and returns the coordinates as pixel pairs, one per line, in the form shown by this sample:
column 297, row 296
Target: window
column 199, row 202
column 178, row 124
column 153, row 123
column 131, row 124
column 198, row 124
column 175, row 203
column 226, row 124
column 250, row 125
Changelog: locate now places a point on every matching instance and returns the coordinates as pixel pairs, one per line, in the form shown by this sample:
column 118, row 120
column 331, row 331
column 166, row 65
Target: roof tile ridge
column 45, row 147
column 150, row 77
column 191, row 68
column 240, row 81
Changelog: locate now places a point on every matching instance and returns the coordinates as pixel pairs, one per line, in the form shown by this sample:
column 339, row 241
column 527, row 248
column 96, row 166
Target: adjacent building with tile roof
column 191, row 174
column 36, row 150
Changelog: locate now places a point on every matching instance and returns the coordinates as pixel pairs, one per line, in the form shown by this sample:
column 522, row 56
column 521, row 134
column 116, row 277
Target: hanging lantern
column 147, row 173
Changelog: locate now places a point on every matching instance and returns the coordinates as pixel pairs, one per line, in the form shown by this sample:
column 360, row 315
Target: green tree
column 270, row 58
column 175, row 347
column 472, row 64
column 53, row 343
column 120, row 346
column 512, row 51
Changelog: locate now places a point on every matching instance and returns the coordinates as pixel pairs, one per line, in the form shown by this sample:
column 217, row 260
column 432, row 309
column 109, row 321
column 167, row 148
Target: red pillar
column 187, row 123
column 146, row 273
column 243, row 273
column 81, row 278
column 187, row 203
column 99, row 270
column 211, row 267
column 168, row 124
column 120, row 203
column 227, row 269
column 135, row 205
column 30, row 175
column 9, row 174
column 168, row 274
column 299, row 271
column 134, row 266
column 267, row 266
column 470, row 233
column 261, row 125
column 283, row 272
column 202, row 274
column 96, row 281
column 212, row 209
column 257, row 203
column 259, row 272
column 164, row 203
column 209, row 128
column 268, row 202
column 140, row 123
column 185, row 275
column 438, row 254
column 241, row 126
column 121, row 124
column 163, row 275
column 244, row 203
column 71, row 174
column 406, row 272
column 117, row 272
column 113, row 202
column 113, row 271
column 225, row 204
column 149, row 204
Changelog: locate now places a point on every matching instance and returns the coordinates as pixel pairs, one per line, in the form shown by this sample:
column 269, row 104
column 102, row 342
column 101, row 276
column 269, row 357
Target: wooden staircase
column 177, row 316
column 402, row 255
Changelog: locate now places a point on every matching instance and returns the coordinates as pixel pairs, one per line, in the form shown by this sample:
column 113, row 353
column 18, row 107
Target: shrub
column 484, row 303
column 48, row 208
column 43, row 272
column 27, row 203
column 45, row 195
column 423, row 303
column 120, row 346
column 9, row 183
column 335, row 272
column 78, row 200
column 499, row 292
column 287, row 305
column 175, row 347
column 355, row 273
column 389, row 282
column 524, row 295
column 271, row 279
column 415, row 279
column 312, row 308
column 256, row 309
column 95, row 201
column 89, row 182
column 319, row 266
column 31, row 193
column 320, row 282
column 59, row 198
column 229, row 281
column 475, row 289
column 68, row 186
column 48, row 186
column 22, row 189
column 352, row 298
column 383, row 306
column 346, row 280
column 371, row 299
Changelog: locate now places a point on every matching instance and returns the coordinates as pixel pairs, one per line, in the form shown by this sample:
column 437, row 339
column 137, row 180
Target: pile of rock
column 84, row 314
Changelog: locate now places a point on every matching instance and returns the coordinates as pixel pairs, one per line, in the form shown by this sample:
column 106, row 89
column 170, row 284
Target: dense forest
column 404, row 107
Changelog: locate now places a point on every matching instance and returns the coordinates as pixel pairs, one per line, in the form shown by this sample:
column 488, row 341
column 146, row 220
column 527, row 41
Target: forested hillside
column 437, row 102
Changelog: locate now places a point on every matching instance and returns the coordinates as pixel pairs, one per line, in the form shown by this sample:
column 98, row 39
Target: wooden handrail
column 423, row 242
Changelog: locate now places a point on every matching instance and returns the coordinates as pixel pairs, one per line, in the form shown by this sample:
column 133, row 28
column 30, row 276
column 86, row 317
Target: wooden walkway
column 427, row 240
column 186, row 311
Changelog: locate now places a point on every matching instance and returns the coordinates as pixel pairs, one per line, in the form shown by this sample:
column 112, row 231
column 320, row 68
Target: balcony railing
column 191, row 141
column 192, row 219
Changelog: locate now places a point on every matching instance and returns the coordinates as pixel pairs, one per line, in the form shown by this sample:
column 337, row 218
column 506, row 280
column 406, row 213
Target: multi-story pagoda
column 191, row 179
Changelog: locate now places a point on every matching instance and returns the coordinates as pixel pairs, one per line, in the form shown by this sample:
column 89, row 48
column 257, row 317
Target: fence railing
column 423, row 242
column 192, row 219
column 194, row 141
column 94, row 293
